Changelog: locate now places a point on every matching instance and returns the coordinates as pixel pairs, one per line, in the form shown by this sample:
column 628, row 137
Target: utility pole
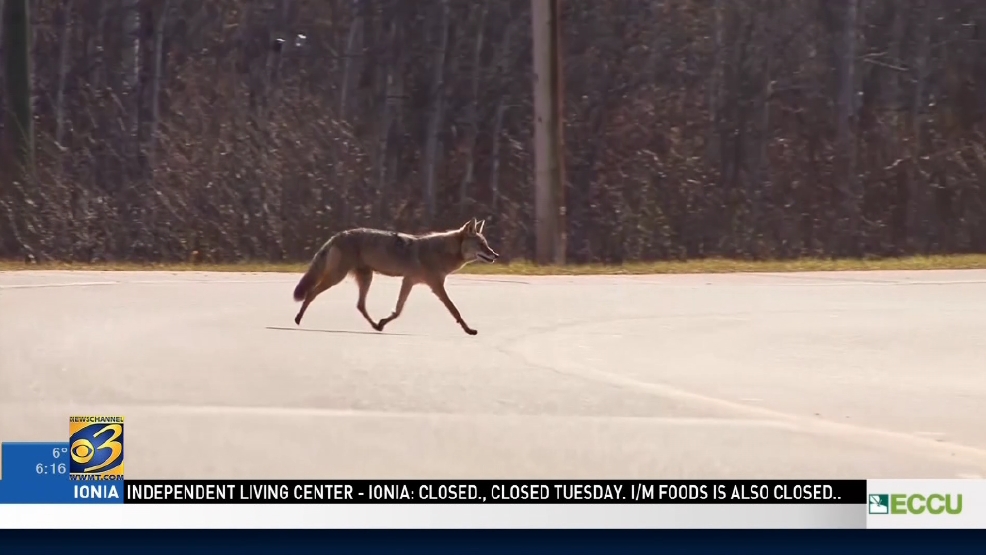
column 549, row 152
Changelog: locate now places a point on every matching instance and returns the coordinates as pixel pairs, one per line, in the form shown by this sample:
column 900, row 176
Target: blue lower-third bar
column 38, row 473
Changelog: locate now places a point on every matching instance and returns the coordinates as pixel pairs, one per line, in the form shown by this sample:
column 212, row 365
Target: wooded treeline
column 253, row 129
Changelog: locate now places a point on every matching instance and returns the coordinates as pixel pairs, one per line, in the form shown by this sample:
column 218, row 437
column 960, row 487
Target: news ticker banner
column 505, row 504
column 40, row 479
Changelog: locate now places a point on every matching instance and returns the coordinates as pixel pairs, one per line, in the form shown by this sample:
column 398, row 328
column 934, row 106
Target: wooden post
column 549, row 162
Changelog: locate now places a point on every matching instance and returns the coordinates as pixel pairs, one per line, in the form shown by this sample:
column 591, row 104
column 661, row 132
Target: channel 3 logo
column 96, row 447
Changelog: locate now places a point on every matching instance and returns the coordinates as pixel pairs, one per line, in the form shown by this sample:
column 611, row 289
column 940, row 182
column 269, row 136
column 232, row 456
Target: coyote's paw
column 470, row 331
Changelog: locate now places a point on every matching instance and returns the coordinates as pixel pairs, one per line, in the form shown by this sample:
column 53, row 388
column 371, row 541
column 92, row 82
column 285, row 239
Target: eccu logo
column 914, row 504
column 96, row 447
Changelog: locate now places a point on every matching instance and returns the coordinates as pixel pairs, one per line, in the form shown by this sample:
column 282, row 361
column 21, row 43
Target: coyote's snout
column 426, row 259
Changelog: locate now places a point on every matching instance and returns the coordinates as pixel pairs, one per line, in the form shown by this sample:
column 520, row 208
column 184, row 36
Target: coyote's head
column 474, row 245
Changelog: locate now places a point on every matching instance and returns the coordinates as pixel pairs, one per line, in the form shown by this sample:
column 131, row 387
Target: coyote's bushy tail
column 311, row 276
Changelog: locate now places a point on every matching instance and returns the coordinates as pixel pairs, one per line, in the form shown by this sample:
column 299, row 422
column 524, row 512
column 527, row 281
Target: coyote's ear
column 482, row 224
column 469, row 228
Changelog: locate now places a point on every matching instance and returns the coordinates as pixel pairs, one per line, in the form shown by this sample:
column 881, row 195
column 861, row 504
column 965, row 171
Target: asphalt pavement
column 813, row 375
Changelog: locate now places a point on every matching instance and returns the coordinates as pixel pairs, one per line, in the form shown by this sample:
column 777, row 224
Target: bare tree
column 19, row 136
column 502, row 67
column 848, row 181
column 64, row 22
column 389, row 70
column 354, row 55
column 917, row 197
column 160, row 24
column 473, row 114
column 437, row 95
column 130, row 81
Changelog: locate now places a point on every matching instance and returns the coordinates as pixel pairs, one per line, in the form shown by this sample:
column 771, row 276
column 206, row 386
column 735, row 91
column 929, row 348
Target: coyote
column 426, row 259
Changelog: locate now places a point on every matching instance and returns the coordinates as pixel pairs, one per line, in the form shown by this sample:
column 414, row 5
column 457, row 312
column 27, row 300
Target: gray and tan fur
column 426, row 259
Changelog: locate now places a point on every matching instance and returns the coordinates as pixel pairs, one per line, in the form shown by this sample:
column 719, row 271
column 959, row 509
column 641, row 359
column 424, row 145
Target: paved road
column 879, row 375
